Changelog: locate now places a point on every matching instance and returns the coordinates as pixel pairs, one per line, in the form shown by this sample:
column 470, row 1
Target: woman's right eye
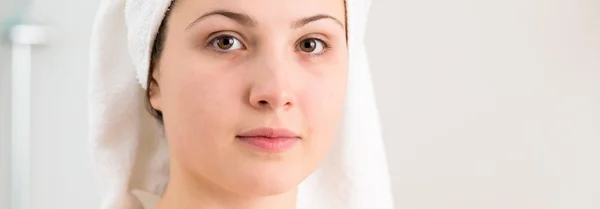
column 226, row 43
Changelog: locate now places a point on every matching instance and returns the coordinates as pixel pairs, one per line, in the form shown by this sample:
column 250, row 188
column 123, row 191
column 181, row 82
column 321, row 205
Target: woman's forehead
column 263, row 11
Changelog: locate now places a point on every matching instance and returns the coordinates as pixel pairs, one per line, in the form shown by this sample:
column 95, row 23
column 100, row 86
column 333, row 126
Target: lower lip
column 270, row 144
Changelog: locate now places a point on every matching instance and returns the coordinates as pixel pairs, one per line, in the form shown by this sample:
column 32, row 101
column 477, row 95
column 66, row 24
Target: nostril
column 263, row 102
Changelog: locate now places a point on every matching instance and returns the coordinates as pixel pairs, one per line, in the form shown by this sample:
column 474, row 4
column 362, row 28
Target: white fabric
column 129, row 150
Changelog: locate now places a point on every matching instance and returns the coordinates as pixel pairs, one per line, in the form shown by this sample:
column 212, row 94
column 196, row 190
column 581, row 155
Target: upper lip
column 269, row 132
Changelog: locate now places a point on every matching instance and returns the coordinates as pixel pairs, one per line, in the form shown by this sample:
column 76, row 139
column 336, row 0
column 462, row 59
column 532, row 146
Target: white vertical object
column 23, row 37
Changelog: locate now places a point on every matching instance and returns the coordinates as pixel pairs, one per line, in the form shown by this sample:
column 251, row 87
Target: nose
column 272, row 86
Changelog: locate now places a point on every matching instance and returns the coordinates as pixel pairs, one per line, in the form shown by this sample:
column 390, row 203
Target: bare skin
column 230, row 66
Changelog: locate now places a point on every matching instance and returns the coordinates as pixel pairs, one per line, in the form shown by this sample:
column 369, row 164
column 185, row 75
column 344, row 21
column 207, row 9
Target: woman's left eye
column 312, row 46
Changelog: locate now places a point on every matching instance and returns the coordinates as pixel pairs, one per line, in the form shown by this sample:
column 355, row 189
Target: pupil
column 225, row 43
column 309, row 45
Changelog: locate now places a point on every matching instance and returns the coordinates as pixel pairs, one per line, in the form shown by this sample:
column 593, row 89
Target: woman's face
column 252, row 91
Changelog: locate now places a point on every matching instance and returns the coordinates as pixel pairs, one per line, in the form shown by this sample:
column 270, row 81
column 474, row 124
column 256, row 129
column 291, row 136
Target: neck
column 184, row 192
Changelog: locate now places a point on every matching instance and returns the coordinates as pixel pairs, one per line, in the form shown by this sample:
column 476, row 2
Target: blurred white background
column 485, row 104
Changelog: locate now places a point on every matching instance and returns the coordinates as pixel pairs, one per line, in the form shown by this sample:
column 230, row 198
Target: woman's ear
column 154, row 91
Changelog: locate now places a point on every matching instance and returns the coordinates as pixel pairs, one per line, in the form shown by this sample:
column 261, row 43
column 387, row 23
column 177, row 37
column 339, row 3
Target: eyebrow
column 302, row 22
column 246, row 20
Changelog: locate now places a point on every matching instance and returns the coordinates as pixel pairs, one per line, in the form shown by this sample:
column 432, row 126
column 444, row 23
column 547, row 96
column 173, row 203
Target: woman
column 249, row 97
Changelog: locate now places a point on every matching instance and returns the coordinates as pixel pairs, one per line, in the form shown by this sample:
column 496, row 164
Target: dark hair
column 157, row 48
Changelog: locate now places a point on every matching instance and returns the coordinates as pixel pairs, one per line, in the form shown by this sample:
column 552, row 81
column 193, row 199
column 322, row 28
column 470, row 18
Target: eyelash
column 212, row 41
column 326, row 45
column 209, row 44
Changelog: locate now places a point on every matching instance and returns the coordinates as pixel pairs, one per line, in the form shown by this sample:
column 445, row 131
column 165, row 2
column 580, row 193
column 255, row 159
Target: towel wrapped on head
column 128, row 146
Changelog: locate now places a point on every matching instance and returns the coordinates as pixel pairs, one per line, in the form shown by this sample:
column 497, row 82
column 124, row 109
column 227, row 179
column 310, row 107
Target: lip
column 270, row 139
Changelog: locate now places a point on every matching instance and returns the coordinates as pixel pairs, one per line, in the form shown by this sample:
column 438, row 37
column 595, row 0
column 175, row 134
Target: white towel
column 130, row 152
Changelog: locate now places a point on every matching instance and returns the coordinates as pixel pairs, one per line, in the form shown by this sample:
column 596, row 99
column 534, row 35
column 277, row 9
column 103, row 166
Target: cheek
column 322, row 103
column 199, row 107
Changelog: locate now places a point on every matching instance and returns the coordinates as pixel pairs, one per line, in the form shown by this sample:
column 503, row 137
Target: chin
column 267, row 180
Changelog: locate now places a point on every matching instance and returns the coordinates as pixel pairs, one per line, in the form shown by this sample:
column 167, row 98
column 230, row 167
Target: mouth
column 265, row 139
